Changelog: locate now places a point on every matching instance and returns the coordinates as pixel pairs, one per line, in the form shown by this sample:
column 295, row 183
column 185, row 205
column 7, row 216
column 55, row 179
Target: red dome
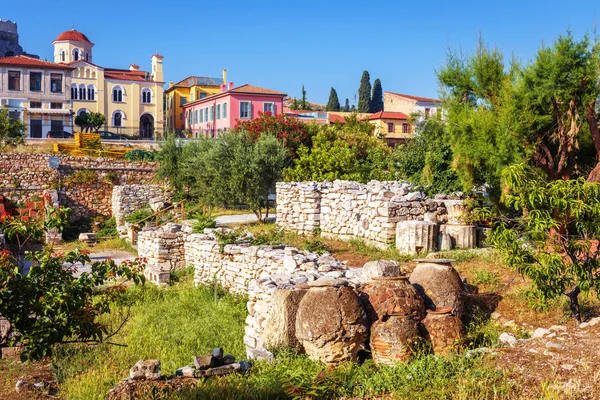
column 73, row 35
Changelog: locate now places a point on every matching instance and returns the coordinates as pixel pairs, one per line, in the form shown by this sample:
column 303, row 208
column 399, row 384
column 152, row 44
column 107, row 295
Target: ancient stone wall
column 128, row 198
column 84, row 183
column 348, row 209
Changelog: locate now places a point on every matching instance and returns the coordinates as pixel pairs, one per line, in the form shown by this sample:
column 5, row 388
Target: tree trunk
column 574, row 303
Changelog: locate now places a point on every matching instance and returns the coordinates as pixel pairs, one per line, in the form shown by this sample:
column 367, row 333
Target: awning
column 48, row 111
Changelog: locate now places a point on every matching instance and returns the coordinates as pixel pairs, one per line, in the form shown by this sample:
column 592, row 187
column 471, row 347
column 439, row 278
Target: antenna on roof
column 73, row 26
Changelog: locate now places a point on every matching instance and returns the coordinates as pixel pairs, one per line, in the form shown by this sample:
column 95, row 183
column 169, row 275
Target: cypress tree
column 364, row 93
column 377, row 98
column 333, row 104
column 303, row 103
column 347, row 105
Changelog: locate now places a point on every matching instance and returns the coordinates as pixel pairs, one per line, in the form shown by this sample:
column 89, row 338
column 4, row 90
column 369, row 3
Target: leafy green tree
column 364, row 93
column 169, row 164
column 426, row 160
column 83, row 121
column 48, row 305
column 96, row 121
column 333, row 104
column 377, row 97
column 11, row 130
column 347, row 105
column 553, row 238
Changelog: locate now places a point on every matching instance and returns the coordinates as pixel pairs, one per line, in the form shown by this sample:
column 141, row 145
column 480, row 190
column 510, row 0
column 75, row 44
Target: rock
column 415, row 237
column 289, row 264
column 440, row 285
column 558, row 328
column 202, row 362
column 186, row 372
column 259, row 353
column 508, row 339
column 540, row 333
column 413, row 196
column 228, row 359
column 567, row 367
column 554, row 346
column 461, row 236
column 328, row 282
column 331, row 324
column 145, row 369
column 4, row 329
column 20, row 386
column 594, row 321
column 509, row 324
column 583, row 325
column 216, row 359
column 89, row 238
column 496, row 315
column 475, row 352
column 281, row 327
column 380, row 269
column 242, row 366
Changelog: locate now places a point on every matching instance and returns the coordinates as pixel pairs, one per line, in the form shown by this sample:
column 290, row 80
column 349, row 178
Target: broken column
column 415, row 237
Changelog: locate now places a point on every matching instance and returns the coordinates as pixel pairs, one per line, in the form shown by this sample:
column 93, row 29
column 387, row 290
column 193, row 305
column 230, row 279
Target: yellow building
column 393, row 126
column 130, row 99
column 187, row 90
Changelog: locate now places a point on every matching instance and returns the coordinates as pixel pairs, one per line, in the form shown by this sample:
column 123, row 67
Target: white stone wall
column 128, row 198
column 348, row 209
column 163, row 248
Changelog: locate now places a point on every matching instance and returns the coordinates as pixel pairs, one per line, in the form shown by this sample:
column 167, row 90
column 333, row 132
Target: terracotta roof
column 125, row 75
column 336, row 118
column 251, row 89
column 25, row 61
column 73, row 35
column 244, row 89
column 417, row 98
column 388, row 115
column 157, row 56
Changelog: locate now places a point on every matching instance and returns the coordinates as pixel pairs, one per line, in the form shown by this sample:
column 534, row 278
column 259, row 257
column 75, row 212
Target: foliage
column 314, row 243
column 554, row 242
column 107, row 228
column 90, row 121
column 49, row 305
column 140, row 155
column 111, row 177
column 169, row 158
column 364, row 93
column 346, row 105
column 11, row 130
column 81, row 177
column 204, row 220
column 377, row 97
column 287, row 129
column 426, row 160
column 344, row 151
column 334, row 103
column 138, row 215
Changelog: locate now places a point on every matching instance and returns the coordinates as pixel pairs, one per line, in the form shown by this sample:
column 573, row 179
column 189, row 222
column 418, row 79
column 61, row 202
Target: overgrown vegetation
column 12, row 130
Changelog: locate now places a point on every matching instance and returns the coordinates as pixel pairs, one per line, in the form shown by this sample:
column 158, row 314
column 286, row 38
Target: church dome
column 72, row 35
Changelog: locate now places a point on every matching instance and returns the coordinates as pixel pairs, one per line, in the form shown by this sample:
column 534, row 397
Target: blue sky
column 283, row 44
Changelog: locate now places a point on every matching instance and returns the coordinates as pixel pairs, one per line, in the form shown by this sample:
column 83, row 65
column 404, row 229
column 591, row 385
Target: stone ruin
column 313, row 302
column 380, row 213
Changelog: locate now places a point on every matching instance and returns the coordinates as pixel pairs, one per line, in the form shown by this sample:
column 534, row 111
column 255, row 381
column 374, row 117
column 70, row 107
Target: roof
column 197, row 80
column 244, row 89
column 125, row 74
column 73, row 35
column 157, row 56
column 418, row 98
column 25, row 61
column 336, row 118
column 388, row 115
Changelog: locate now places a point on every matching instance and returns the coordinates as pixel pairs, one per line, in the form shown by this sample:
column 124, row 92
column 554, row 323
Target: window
column 427, row 112
column 206, row 114
column 63, row 56
column 75, row 55
column 74, row 92
column 56, row 83
column 82, row 92
column 201, row 116
column 91, row 92
column 245, row 109
column 390, row 127
column 224, row 110
column 195, row 117
column 35, row 104
column 56, row 125
column 117, row 96
column 202, row 95
column 146, row 96
column 35, row 81
column 117, row 119
column 269, row 107
column 182, row 101
column 56, row 106
column 14, row 80
column 218, row 111
column 405, row 128
column 212, row 113
column 87, row 57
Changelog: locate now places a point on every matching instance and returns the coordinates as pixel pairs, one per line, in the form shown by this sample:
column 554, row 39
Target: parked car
column 59, row 135
column 111, row 136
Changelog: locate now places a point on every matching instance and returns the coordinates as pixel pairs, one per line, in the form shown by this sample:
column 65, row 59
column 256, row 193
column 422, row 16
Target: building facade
column 37, row 93
column 393, row 126
column 187, row 90
column 407, row 104
column 130, row 99
column 214, row 114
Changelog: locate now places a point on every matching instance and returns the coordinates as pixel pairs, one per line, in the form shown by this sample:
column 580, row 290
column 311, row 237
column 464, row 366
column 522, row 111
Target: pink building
column 214, row 114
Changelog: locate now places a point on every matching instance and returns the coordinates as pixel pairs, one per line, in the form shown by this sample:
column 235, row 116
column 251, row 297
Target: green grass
column 375, row 253
column 103, row 245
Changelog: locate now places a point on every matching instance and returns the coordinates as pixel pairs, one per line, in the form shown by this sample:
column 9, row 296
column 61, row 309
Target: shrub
column 203, row 221
column 139, row 215
column 140, row 155
column 81, row 177
column 107, row 228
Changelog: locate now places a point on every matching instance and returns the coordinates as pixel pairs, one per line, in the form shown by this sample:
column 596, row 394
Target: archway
column 146, row 126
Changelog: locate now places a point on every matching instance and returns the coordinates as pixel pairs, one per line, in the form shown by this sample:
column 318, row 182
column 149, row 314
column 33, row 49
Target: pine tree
column 347, row 105
column 333, row 104
column 364, row 93
column 377, row 98
column 303, row 103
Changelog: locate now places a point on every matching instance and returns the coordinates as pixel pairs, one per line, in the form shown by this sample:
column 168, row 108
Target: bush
column 139, row 215
column 107, row 228
column 140, row 155
column 81, row 177
column 203, row 221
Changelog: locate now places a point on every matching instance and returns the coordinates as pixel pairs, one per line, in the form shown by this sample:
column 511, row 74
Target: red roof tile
column 25, row 61
column 336, row 118
column 417, row 98
column 388, row 115
column 251, row 89
column 73, row 35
